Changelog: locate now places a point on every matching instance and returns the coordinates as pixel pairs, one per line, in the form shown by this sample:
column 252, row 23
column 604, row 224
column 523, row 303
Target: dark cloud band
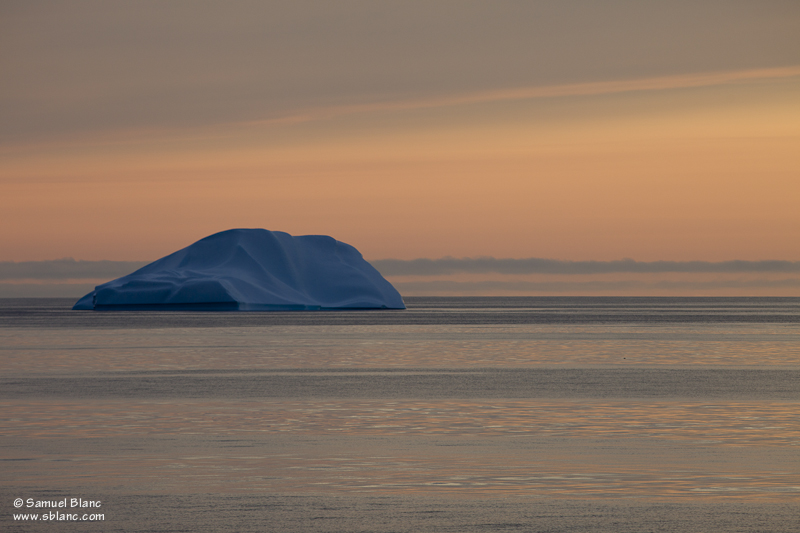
column 62, row 269
column 592, row 287
column 67, row 269
column 487, row 265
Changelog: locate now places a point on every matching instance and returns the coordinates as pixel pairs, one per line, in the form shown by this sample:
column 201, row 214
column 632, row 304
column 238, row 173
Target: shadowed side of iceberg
column 251, row 270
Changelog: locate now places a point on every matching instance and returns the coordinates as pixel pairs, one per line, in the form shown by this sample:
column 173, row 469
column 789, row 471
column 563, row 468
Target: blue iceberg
column 251, row 270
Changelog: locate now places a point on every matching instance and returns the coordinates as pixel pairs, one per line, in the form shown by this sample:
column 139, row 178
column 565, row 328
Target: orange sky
column 705, row 173
column 655, row 161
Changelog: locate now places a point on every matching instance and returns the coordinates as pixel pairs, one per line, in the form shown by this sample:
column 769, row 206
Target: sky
column 573, row 131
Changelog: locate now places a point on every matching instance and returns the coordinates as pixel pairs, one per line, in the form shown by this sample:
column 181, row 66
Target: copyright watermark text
column 58, row 510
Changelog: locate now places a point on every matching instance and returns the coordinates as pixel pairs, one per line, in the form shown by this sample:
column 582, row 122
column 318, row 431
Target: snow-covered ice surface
column 252, row 270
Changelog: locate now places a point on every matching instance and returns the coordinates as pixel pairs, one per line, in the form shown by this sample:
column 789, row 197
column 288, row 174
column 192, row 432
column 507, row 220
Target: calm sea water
column 458, row 414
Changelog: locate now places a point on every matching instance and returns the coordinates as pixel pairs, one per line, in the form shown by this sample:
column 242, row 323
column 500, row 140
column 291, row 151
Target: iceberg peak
column 251, row 270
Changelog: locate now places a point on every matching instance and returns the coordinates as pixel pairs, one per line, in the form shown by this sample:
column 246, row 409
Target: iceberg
column 251, row 270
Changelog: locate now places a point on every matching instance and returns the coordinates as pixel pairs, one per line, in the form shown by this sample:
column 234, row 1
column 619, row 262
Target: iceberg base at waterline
column 251, row 270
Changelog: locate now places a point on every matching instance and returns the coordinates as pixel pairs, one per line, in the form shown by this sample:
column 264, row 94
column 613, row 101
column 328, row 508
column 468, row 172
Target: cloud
column 70, row 269
column 71, row 278
column 63, row 269
column 45, row 290
column 683, row 81
column 533, row 265
column 618, row 287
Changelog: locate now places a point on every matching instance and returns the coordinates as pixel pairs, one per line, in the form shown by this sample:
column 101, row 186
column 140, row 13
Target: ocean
column 541, row 414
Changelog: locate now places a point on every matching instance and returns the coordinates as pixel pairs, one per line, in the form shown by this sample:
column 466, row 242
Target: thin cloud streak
column 490, row 265
column 682, row 81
